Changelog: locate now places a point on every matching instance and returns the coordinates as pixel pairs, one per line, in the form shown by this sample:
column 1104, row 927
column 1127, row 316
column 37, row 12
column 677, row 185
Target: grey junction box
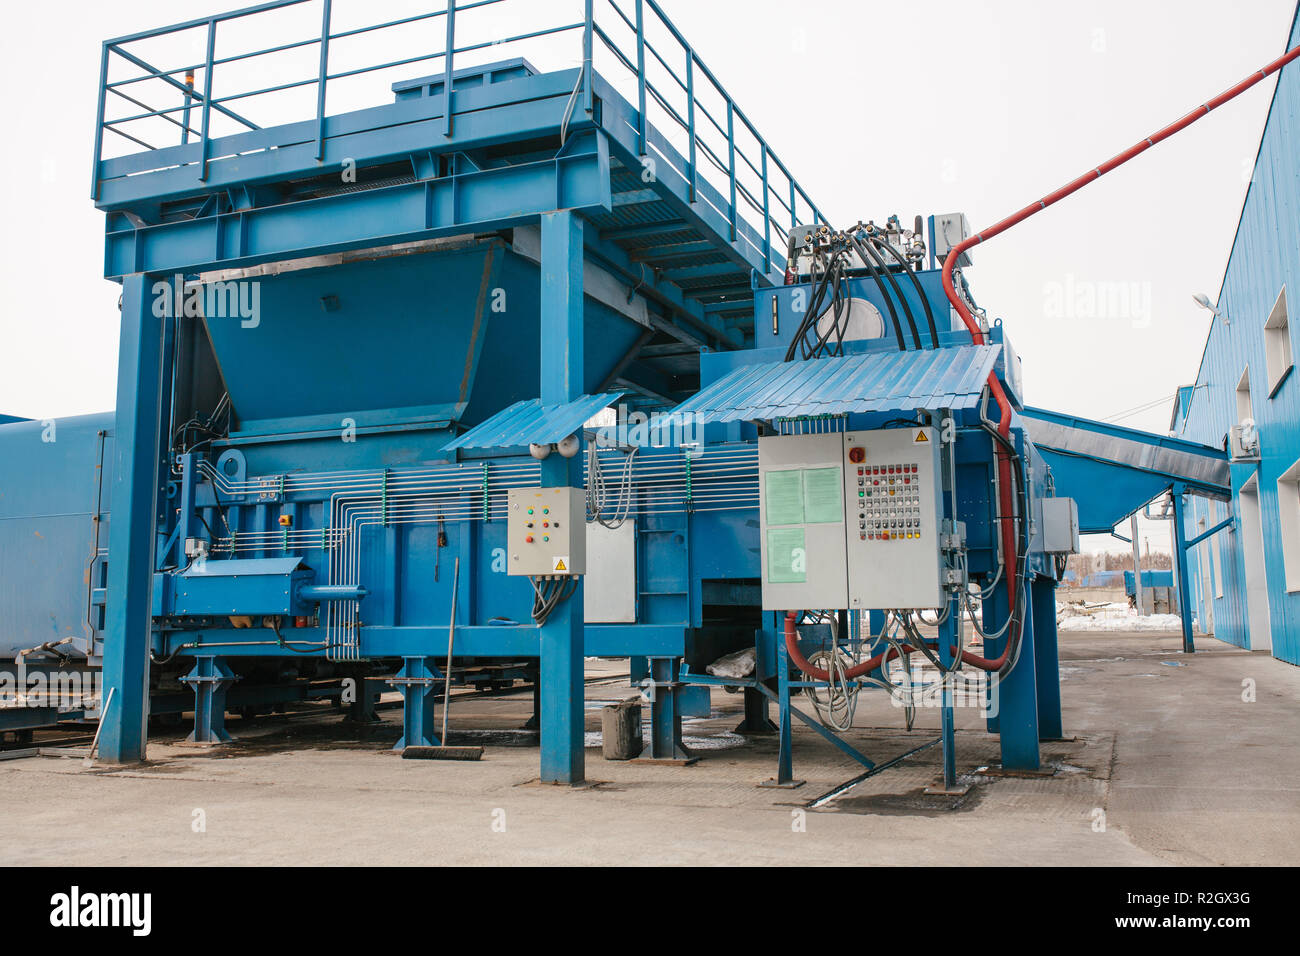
column 546, row 531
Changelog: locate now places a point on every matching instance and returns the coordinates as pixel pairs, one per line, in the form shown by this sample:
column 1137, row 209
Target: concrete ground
column 1168, row 765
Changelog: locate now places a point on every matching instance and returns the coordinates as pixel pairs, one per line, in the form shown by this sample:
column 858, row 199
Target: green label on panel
column 787, row 561
column 784, row 491
column 823, row 496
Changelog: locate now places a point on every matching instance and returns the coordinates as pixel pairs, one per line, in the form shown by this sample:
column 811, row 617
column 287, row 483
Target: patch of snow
column 1111, row 617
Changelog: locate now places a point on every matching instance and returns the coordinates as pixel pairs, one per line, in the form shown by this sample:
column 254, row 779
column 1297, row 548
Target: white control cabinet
column 851, row 520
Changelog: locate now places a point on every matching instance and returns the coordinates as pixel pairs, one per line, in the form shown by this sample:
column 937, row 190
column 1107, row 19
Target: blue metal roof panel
column 870, row 382
column 530, row 422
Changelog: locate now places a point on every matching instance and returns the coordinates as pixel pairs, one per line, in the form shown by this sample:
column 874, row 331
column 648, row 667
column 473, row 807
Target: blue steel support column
column 162, row 517
column 785, row 747
column 210, row 680
column 1180, row 567
column 995, row 615
column 418, row 681
column 665, row 713
column 1046, row 659
column 131, row 533
column 948, row 640
column 562, row 381
column 756, row 720
column 1018, row 701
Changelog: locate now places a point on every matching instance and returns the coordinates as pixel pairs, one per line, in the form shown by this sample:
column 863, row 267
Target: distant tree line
column 1085, row 564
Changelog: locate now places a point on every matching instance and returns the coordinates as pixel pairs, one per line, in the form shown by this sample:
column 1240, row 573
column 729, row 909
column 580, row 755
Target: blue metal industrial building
column 1245, row 580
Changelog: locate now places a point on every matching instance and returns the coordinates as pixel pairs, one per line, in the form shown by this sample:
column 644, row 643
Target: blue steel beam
column 561, row 368
column 1225, row 523
column 381, row 640
column 1047, row 659
column 472, row 201
column 131, row 532
column 1018, row 698
column 947, row 725
column 665, row 293
column 491, row 115
column 1180, row 567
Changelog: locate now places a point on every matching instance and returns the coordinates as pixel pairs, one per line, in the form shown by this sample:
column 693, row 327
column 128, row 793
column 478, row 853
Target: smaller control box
column 1060, row 533
column 546, row 531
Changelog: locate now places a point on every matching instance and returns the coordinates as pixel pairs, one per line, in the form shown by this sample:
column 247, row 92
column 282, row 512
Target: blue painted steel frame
column 557, row 192
column 562, row 682
column 1178, row 493
column 131, row 531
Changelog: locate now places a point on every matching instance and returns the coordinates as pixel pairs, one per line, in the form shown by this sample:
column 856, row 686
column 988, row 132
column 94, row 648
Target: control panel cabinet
column 851, row 520
column 546, row 531
column 894, row 496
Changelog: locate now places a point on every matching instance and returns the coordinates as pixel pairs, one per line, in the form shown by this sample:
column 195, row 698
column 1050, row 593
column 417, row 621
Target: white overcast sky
column 877, row 108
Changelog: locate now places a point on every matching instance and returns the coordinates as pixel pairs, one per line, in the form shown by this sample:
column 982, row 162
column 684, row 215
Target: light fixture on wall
column 1204, row 302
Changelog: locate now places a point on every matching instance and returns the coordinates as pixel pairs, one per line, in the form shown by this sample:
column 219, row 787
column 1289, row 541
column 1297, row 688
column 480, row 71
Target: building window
column 1277, row 343
column 1288, row 507
column 1245, row 410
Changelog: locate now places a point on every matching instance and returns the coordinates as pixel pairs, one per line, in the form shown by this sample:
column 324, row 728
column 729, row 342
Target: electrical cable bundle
column 208, row 430
column 597, row 491
column 550, row 594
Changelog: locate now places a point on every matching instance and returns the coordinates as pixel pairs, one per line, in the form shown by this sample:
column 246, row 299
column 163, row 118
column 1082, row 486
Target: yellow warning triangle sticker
column 920, row 438
column 559, row 565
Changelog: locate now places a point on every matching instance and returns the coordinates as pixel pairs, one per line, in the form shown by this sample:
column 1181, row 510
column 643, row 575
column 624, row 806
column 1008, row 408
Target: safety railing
column 197, row 81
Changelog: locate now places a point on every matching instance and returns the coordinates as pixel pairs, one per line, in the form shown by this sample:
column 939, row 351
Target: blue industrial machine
column 578, row 330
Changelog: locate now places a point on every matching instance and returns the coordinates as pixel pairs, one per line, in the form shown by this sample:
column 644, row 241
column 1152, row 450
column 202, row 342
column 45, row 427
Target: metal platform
column 686, row 203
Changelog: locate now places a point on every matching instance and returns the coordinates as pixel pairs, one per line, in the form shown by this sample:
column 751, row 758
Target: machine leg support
column 665, row 714
column 784, row 778
column 1046, row 660
column 947, row 722
column 756, row 719
column 535, row 721
column 1017, row 700
column 210, row 680
column 363, row 701
column 418, row 680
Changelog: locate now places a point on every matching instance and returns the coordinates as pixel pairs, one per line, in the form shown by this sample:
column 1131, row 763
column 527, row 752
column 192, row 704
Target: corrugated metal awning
column 869, row 382
column 530, row 422
column 1203, row 467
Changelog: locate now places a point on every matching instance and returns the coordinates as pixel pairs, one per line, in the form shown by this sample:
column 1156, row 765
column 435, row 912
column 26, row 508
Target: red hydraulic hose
column 857, row 670
column 1010, row 547
column 816, row 673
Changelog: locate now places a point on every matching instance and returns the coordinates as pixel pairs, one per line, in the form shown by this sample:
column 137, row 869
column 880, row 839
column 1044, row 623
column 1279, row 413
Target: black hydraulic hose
column 836, row 311
column 813, row 305
column 893, row 313
column 898, row 291
column 925, row 303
